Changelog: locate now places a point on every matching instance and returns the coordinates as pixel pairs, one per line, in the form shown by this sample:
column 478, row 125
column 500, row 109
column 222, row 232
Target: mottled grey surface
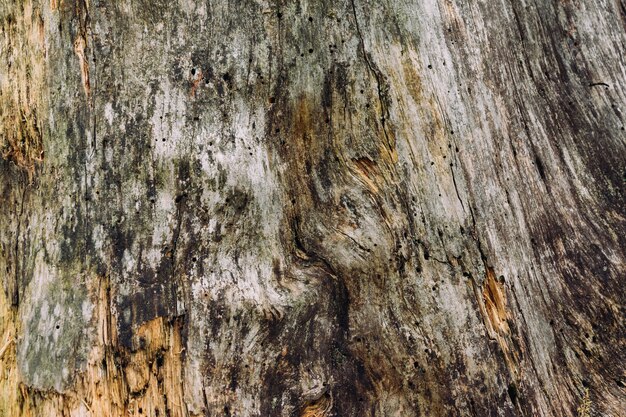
column 413, row 208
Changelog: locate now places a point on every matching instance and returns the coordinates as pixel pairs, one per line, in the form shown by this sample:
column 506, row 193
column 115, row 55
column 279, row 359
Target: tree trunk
column 312, row 208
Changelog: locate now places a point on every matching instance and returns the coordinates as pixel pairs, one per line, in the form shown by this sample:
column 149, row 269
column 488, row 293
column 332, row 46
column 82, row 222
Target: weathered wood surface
column 312, row 208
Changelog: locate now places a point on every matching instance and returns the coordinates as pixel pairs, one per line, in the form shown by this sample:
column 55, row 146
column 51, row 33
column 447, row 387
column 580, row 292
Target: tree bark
column 312, row 208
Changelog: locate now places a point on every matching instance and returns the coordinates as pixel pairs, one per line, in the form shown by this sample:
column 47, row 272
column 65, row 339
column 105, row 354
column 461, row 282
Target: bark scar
column 79, row 48
column 319, row 408
column 495, row 303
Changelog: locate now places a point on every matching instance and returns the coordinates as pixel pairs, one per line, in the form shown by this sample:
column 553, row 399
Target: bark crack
column 179, row 215
column 456, row 188
column 363, row 248
column 378, row 76
column 15, row 298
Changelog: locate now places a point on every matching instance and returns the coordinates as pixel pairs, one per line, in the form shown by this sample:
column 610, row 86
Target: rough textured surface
column 312, row 208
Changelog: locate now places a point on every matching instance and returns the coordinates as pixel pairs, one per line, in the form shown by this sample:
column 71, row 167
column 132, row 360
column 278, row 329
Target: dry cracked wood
column 312, row 208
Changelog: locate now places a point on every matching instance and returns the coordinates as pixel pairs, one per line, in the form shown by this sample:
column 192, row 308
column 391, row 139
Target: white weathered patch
column 108, row 113
column 168, row 121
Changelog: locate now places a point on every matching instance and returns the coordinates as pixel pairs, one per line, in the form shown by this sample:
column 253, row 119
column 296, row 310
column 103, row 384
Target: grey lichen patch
column 55, row 328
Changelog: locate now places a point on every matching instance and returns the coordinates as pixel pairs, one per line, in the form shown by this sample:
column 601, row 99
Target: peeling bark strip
column 495, row 302
column 312, row 208
column 22, row 85
column 79, row 48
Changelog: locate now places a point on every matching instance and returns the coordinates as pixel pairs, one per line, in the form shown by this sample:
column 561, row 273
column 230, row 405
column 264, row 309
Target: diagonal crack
column 381, row 87
column 456, row 188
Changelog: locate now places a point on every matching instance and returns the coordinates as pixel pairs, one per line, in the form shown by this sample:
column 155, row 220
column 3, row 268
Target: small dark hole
column 513, row 394
column 310, row 50
column 58, row 327
column 193, row 71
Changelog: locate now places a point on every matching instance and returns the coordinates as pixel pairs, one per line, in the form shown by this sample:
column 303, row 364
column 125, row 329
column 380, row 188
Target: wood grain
column 312, row 208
